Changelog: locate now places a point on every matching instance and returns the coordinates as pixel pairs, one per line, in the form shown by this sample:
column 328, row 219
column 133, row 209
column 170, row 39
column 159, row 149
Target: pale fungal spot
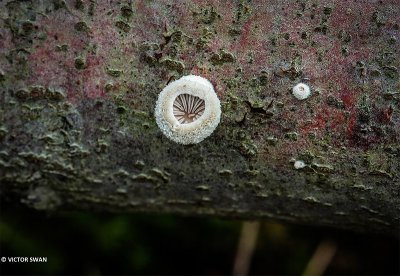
column 299, row 164
column 188, row 110
column 301, row 91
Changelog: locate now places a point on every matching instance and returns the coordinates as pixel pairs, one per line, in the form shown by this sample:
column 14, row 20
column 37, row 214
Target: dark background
column 97, row 244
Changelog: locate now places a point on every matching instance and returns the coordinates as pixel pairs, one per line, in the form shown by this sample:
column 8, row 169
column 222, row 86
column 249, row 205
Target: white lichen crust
column 188, row 110
column 301, row 91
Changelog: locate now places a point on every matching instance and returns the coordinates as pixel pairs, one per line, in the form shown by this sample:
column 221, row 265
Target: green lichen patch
column 172, row 64
column 292, row 136
column 114, row 72
column 123, row 26
column 222, row 57
column 79, row 5
column 80, row 63
column 209, row 15
column 82, row 26
column 38, row 92
column 62, row 48
column 126, row 11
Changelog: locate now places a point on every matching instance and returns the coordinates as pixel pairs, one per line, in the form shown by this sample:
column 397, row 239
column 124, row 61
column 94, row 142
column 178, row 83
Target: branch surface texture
column 79, row 81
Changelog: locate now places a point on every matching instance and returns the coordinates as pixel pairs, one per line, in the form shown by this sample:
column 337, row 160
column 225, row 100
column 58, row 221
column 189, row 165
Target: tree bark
column 79, row 81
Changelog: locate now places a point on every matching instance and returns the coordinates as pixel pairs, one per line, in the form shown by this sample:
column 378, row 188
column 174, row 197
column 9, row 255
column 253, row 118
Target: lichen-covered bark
column 79, row 81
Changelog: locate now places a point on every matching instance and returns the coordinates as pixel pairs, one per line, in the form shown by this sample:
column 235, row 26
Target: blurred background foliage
column 98, row 244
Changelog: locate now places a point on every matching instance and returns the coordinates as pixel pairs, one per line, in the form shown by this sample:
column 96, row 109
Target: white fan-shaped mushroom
column 301, row 91
column 188, row 110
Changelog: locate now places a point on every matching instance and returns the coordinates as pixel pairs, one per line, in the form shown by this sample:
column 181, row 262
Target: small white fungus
column 301, row 91
column 299, row 164
column 188, row 110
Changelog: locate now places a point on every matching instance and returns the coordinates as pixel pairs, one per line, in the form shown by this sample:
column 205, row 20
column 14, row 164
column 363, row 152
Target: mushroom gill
column 188, row 108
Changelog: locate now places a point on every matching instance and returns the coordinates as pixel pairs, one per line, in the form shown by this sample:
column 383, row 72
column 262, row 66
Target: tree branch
column 79, row 81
